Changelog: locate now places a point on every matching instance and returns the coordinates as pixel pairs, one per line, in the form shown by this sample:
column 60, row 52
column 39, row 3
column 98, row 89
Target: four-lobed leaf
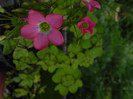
column 68, row 79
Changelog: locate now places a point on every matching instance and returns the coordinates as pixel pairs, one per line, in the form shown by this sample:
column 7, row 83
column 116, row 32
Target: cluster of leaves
column 81, row 49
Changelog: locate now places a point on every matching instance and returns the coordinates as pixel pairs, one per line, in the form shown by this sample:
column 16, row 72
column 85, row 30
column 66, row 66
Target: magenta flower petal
column 41, row 42
column 90, row 4
column 90, row 30
column 90, row 8
column 95, row 4
column 29, row 31
column 92, row 24
column 80, row 24
column 55, row 20
column 55, row 37
column 35, row 17
column 84, row 31
column 86, row 19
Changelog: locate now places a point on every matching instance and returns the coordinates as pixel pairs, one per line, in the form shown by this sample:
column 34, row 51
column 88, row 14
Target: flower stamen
column 85, row 25
column 44, row 27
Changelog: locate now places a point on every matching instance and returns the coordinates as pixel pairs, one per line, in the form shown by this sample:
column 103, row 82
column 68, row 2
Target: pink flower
column 24, row 18
column 90, row 4
column 86, row 25
column 43, row 29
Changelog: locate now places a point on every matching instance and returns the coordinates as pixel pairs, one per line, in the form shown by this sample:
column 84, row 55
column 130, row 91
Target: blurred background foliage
column 111, row 76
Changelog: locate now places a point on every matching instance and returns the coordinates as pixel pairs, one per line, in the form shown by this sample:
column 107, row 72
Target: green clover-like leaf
column 86, row 44
column 43, row 65
column 19, row 53
column 20, row 92
column 73, row 88
column 68, row 79
column 62, row 90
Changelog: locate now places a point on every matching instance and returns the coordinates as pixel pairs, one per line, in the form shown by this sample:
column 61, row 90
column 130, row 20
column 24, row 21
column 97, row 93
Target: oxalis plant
column 58, row 36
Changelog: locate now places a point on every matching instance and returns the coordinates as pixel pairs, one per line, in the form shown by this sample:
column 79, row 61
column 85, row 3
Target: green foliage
column 82, row 50
column 111, row 76
column 9, row 46
column 52, row 58
column 108, row 77
column 19, row 53
column 68, row 79
column 2, row 10
column 20, row 92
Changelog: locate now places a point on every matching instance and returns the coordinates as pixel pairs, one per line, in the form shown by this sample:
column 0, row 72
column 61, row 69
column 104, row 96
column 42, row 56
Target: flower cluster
column 86, row 25
column 44, row 29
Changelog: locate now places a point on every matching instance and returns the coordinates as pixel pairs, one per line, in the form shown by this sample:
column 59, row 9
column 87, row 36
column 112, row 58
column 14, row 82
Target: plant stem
column 4, row 19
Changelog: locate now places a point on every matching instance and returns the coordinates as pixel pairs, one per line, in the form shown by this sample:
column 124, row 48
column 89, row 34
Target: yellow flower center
column 44, row 27
column 85, row 25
